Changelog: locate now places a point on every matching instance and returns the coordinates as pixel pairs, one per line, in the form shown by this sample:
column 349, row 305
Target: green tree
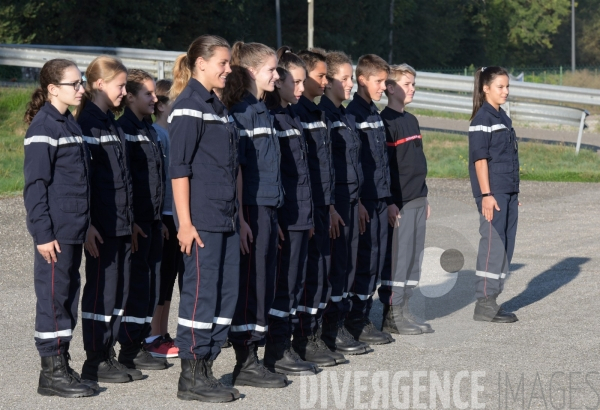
column 513, row 29
column 13, row 21
column 588, row 32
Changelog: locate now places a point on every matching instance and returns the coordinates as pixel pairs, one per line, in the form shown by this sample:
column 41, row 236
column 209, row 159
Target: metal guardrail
column 160, row 64
column 425, row 80
column 121, row 52
column 37, row 57
column 521, row 111
column 516, row 110
column 530, row 91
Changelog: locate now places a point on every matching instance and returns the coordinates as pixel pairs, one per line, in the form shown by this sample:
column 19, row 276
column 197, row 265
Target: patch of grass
column 439, row 114
column 448, row 156
column 12, row 130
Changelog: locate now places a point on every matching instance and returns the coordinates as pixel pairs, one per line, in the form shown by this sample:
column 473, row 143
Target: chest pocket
column 266, row 152
column 499, row 141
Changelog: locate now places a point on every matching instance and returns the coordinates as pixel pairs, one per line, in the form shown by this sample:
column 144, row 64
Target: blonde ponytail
column 181, row 76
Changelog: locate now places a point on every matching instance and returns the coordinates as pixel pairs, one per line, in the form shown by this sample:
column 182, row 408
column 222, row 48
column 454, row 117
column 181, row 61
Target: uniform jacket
column 296, row 212
column 492, row 137
column 146, row 166
column 320, row 161
column 374, row 149
column 57, row 186
column 346, row 147
column 259, row 153
column 111, row 191
column 203, row 148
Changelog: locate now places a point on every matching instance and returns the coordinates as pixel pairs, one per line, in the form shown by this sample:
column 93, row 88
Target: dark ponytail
column 237, row 85
column 484, row 76
column 243, row 56
column 52, row 73
column 286, row 60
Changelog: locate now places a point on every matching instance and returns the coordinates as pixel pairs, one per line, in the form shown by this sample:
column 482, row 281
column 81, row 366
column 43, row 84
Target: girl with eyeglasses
column 57, row 195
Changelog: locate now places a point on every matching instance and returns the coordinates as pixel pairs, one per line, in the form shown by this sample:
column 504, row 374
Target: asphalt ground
column 549, row 359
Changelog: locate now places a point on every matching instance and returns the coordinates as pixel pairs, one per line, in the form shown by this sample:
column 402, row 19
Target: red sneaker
column 162, row 347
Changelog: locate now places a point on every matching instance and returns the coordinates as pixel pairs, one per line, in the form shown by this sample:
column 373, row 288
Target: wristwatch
column 488, row 194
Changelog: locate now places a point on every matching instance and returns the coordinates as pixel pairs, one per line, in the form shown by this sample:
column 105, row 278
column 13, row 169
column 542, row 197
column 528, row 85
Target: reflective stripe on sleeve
column 474, row 128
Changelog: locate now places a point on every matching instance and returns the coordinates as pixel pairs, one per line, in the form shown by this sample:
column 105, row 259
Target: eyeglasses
column 76, row 85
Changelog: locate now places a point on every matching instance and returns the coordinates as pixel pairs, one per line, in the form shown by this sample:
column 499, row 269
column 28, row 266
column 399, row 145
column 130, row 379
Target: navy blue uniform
column 259, row 157
column 203, row 148
column 148, row 182
column 57, row 195
column 375, row 191
column 295, row 219
column 408, row 169
column 346, row 146
column 107, row 276
column 312, row 298
column 491, row 137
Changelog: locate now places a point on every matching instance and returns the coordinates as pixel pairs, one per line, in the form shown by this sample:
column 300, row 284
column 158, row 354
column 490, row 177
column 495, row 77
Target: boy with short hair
column 371, row 73
column 408, row 209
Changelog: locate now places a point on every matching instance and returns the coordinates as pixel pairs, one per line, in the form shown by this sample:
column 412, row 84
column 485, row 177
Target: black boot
column 337, row 356
column 194, row 384
column 134, row 356
column 99, row 366
column 407, row 313
column 363, row 330
column 338, row 339
column 487, row 310
column 249, row 372
column 209, row 374
column 395, row 322
column 55, row 380
column 133, row 373
column 90, row 383
column 310, row 351
column 280, row 358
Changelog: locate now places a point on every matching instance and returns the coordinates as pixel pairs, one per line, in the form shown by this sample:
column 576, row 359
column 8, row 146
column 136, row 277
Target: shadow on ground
column 547, row 282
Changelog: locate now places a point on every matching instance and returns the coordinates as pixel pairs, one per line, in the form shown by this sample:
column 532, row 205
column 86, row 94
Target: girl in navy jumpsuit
column 260, row 193
column 494, row 172
column 346, row 147
column 108, row 243
column 314, row 295
column 295, row 216
column 57, row 195
column 148, row 182
column 203, row 170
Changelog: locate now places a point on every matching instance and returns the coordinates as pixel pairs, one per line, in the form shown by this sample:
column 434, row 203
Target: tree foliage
column 432, row 33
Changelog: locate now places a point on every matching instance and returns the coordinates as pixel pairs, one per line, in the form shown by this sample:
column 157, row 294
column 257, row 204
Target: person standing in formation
column 57, row 196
